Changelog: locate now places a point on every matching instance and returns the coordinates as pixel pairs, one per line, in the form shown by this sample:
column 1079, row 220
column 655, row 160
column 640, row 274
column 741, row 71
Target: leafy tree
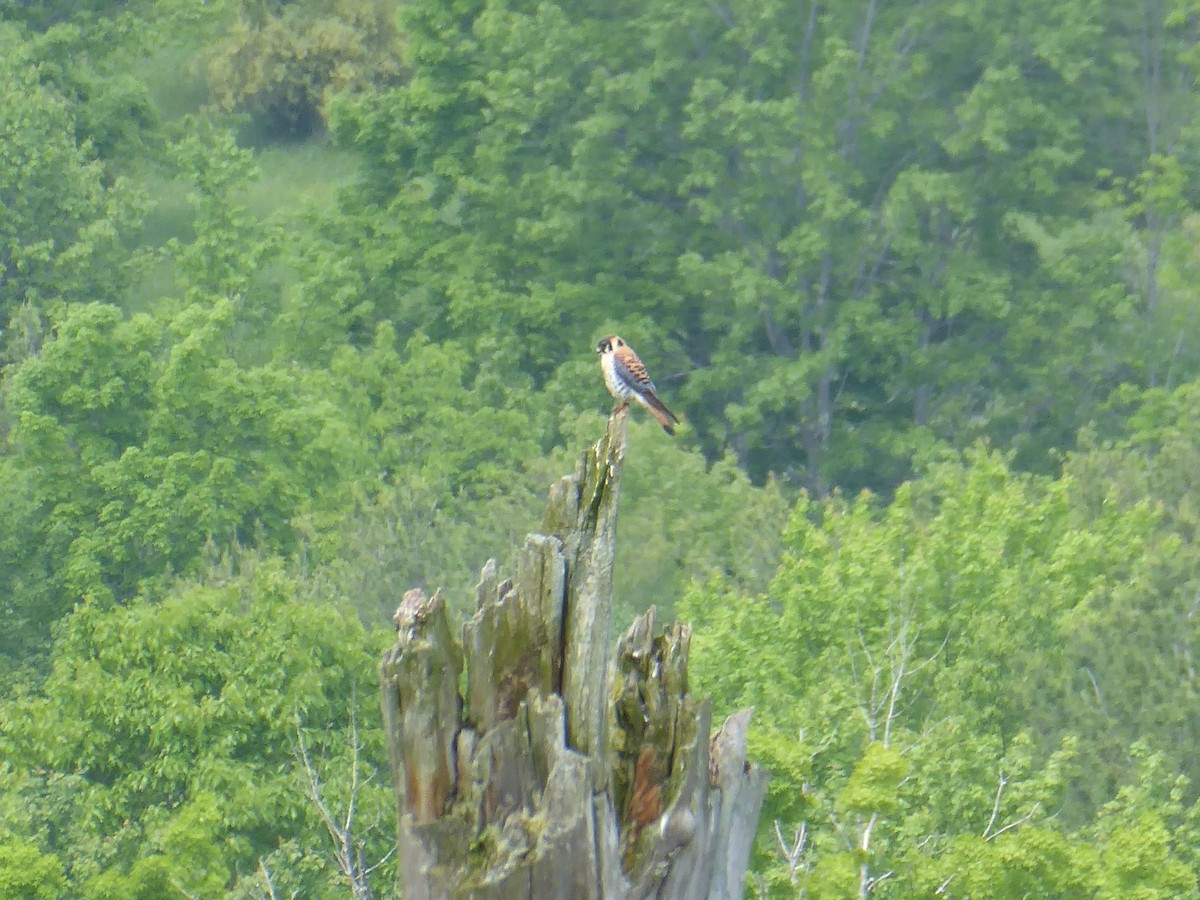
column 134, row 452
column 160, row 752
column 28, row 874
column 111, row 110
column 857, row 233
column 76, row 407
column 137, row 440
column 281, row 60
column 445, row 471
column 501, row 253
column 62, row 223
column 1134, row 642
column 914, row 673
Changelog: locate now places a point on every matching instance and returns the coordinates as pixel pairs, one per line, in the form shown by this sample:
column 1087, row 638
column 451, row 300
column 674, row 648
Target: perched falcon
column 627, row 380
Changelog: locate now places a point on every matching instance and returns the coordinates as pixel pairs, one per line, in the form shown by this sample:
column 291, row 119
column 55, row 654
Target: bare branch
column 873, row 883
column 383, row 859
column 897, row 678
column 793, row 854
column 1096, row 689
column 837, row 826
column 1021, row 821
column 354, row 747
column 266, row 876
column 882, row 709
column 864, row 843
column 269, row 882
column 314, row 783
column 996, row 805
column 347, row 852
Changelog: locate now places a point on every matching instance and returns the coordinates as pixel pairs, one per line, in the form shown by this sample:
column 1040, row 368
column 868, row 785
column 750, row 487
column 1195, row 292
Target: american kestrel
column 627, row 380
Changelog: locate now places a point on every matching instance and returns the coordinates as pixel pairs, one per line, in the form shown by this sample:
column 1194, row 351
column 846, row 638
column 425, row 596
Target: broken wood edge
column 528, row 765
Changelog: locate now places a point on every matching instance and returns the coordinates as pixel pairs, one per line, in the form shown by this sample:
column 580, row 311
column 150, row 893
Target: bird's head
column 609, row 344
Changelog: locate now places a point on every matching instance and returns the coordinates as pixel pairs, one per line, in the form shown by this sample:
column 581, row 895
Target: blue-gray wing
column 630, row 370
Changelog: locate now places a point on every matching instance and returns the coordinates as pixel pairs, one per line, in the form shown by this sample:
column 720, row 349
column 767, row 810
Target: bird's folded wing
column 630, row 369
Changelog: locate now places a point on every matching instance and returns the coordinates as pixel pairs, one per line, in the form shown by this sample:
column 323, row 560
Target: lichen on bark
column 567, row 769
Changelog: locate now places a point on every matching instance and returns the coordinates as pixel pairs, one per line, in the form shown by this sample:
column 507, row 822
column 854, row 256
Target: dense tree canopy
column 854, row 233
column 297, row 308
column 972, row 656
column 164, row 747
column 62, row 220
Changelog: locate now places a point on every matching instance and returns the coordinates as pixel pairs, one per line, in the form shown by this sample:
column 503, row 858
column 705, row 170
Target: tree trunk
column 566, row 772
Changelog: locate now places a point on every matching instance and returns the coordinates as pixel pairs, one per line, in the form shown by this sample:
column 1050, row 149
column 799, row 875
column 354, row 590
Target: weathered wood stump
column 565, row 772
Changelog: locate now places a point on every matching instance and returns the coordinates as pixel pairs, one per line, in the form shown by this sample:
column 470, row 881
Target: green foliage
column 161, row 748
column 873, row 783
column 683, row 519
column 848, row 241
column 61, row 221
column 280, row 60
column 76, row 407
column 113, row 115
column 28, row 874
column 920, row 685
column 855, row 241
column 442, row 477
column 136, row 441
column 136, row 450
column 1134, row 643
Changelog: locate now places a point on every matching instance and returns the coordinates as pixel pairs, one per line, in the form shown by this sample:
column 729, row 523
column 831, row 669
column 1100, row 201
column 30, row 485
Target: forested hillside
column 298, row 304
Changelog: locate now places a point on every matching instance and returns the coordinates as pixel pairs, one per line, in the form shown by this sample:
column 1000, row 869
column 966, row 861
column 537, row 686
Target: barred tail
column 659, row 410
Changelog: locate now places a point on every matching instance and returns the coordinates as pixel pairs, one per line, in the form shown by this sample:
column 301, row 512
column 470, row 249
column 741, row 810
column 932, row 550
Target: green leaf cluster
column 279, row 61
column 63, row 221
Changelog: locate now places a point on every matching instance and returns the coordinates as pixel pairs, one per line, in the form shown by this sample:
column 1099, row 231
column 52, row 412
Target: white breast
column 616, row 386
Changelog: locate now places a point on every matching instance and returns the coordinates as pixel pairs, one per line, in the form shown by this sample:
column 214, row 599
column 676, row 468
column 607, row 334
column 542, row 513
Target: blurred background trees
column 297, row 305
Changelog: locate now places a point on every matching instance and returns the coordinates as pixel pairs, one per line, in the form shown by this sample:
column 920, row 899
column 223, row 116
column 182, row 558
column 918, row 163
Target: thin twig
column 1021, row 821
column 996, row 805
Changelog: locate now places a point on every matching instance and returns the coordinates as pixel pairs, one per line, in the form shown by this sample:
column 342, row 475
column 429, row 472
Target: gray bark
column 568, row 770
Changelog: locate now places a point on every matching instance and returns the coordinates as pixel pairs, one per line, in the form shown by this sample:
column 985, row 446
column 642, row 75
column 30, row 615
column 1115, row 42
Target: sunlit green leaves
column 29, row 874
column 925, row 706
column 62, row 221
column 177, row 723
column 143, row 453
